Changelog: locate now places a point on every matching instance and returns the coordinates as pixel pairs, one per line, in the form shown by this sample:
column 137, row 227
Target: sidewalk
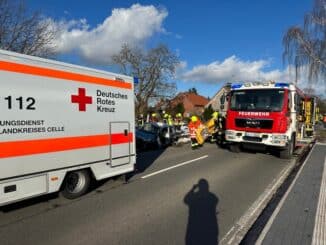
column 300, row 217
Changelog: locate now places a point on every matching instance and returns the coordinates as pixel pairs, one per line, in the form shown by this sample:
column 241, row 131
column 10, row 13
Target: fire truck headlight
column 279, row 139
column 230, row 134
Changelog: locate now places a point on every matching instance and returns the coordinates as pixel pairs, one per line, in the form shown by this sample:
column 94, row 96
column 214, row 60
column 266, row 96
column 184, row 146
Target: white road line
column 237, row 231
column 319, row 237
column 172, row 167
column 241, row 227
column 281, row 203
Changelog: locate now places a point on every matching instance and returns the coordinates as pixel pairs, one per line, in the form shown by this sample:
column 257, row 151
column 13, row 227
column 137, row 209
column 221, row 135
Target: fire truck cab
column 267, row 114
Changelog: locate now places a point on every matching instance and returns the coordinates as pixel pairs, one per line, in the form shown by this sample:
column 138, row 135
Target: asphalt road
column 157, row 207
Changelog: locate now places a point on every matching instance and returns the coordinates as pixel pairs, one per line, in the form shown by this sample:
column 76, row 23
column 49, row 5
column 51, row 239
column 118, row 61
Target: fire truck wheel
column 76, row 183
column 288, row 151
column 235, row 148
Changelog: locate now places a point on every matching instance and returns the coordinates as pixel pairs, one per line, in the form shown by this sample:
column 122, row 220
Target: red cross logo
column 81, row 99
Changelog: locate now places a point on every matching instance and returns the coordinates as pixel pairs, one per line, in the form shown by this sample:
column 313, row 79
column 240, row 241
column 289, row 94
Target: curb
column 238, row 232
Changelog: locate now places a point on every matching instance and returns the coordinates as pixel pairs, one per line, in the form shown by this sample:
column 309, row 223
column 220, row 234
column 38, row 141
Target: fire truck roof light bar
column 235, row 86
column 269, row 83
column 281, row 85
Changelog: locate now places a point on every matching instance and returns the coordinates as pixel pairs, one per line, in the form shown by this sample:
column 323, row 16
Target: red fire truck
column 267, row 115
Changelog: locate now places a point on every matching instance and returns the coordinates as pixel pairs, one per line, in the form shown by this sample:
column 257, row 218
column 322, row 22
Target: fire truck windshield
column 257, row 100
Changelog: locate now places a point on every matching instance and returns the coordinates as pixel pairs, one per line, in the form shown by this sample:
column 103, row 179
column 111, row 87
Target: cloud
column 133, row 26
column 232, row 69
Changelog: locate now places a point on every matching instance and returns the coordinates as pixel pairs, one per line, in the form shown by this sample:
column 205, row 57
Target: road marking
column 172, row 167
column 319, row 236
column 241, row 227
column 238, row 231
column 281, row 203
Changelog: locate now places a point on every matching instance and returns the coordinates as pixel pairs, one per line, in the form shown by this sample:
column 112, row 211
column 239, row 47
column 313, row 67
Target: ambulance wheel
column 288, row 151
column 76, row 183
column 235, row 148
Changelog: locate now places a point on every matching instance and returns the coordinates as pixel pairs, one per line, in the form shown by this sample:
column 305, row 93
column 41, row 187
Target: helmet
column 215, row 114
column 166, row 115
column 178, row 115
column 153, row 114
column 194, row 119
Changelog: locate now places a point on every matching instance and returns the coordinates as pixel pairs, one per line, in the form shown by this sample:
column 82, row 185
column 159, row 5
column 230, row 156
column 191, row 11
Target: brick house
column 193, row 103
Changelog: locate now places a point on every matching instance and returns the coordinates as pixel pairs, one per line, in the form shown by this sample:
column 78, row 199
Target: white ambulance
column 60, row 126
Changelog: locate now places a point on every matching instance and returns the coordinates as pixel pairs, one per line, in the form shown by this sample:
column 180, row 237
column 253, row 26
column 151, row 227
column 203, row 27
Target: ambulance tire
column 235, row 148
column 75, row 184
column 288, row 151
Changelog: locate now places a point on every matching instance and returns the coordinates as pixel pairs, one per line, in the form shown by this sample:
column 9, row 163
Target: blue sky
column 217, row 41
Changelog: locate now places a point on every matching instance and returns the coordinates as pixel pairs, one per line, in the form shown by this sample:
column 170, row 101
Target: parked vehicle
column 270, row 114
column 61, row 125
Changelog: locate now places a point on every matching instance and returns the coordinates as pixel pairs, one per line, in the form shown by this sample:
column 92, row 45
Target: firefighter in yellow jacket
column 168, row 119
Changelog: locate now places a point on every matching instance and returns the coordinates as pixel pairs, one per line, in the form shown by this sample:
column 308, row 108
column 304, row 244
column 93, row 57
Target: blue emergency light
column 236, row 86
column 281, row 85
column 136, row 80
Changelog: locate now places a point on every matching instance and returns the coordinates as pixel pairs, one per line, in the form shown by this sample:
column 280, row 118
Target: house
column 193, row 103
column 215, row 102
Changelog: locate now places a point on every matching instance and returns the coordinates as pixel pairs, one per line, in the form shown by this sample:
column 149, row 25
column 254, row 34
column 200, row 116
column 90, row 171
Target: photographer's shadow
column 202, row 225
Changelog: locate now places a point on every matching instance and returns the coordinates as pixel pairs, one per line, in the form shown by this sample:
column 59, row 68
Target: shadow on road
column 250, row 148
column 29, row 202
column 146, row 159
column 202, row 225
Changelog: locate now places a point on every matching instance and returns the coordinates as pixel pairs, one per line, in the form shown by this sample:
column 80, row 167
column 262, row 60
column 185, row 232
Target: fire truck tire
column 288, row 151
column 235, row 148
column 76, row 183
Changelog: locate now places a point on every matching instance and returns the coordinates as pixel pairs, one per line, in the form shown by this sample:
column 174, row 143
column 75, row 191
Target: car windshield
column 150, row 128
column 257, row 100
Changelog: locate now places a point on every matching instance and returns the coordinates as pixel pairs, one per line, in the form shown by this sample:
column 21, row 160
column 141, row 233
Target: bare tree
column 24, row 32
column 153, row 70
column 305, row 47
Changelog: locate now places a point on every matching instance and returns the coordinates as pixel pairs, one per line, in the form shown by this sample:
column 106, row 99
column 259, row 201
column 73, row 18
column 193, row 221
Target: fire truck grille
column 254, row 123
column 254, row 139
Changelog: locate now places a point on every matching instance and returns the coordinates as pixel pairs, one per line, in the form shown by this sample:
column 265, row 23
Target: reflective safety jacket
column 193, row 126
